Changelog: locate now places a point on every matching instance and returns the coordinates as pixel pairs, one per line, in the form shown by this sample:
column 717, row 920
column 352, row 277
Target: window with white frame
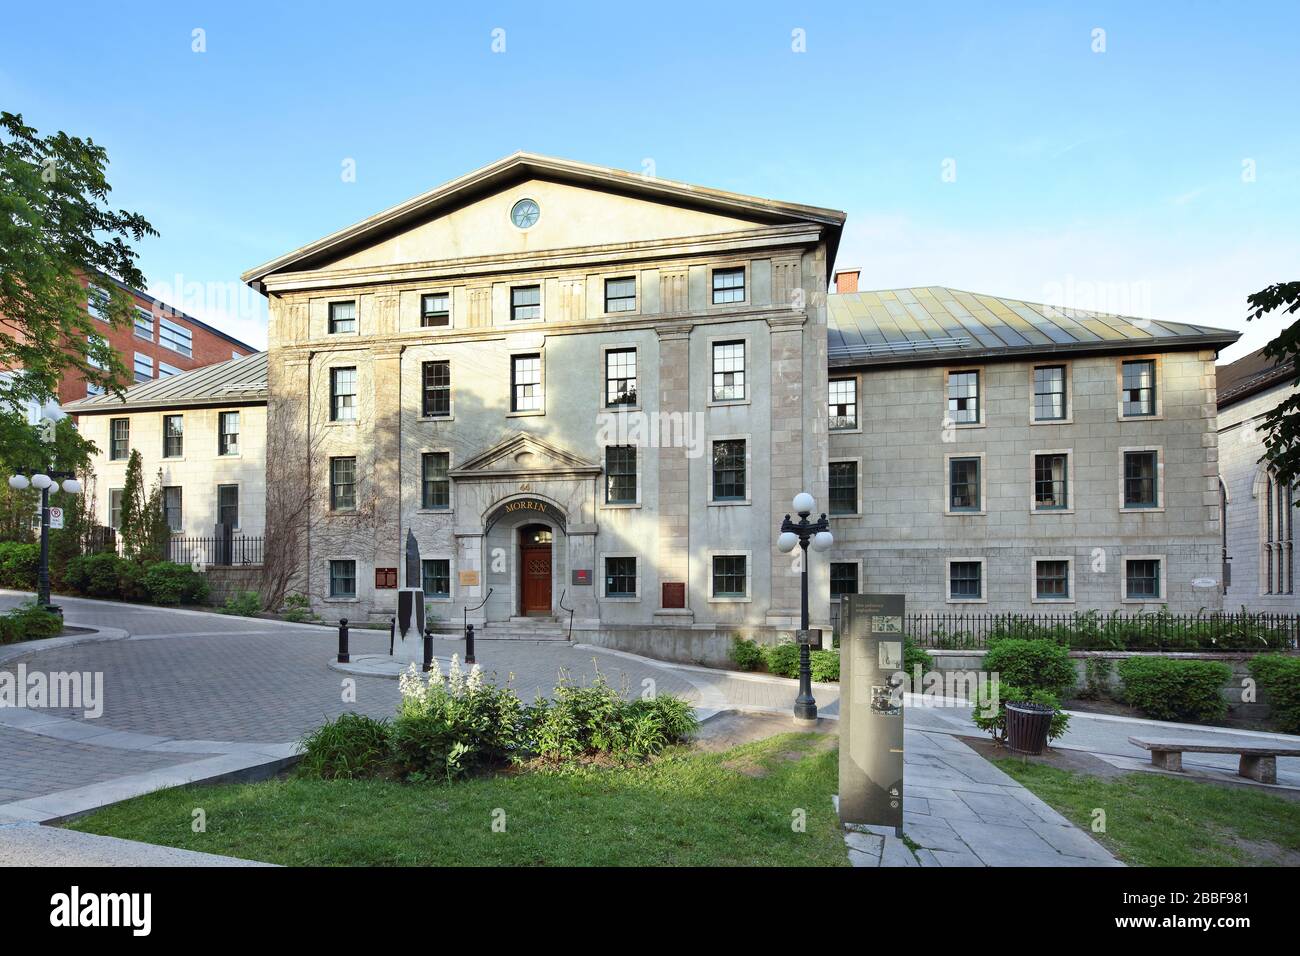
column 343, row 317
column 1051, row 481
column 729, row 371
column 435, row 400
column 435, row 493
column 435, row 310
column 343, row 484
column 620, row 474
column 166, row 371
column 97, row 301
column 175, row 336
column 729, row 469
column 173, row 436
column 525, row 303
column 964, row 484
column 620, row 377
column 115, row 508
column 526, row 383
column 729, row 286
column 730, row 576
column 964, row 397
column 842, row 406
column 343, row 394
column 119, row 442
column 143, row 324
column 143, row 367
column 228, row 433
column 172, row 500
column 96, row 343
column 1138, row 382
column 1050, row 399
column 620, row 294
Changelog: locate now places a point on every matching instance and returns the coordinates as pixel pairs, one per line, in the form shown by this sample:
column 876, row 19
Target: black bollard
column 344, row 658
column 469, row 644
column 428, row 649
column 392, row 634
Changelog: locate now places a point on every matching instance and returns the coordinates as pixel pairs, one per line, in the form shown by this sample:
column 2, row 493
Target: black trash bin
column 1027, row 726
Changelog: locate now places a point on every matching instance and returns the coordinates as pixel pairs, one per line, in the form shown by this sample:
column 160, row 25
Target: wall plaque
column 468, row 579
column 385, row 578
column 581, row 576
column 674, row 594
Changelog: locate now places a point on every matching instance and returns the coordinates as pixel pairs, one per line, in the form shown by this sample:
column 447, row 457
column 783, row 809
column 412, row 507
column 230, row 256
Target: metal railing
column 1093, row 630
column 239, row 549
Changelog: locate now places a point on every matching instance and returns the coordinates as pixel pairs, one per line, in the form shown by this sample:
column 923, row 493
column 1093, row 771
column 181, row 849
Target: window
column 228, row 433
column 729, row 576
column 1139, row 388
column 436, row 398
column 172, row 507
column 343, row 394
column 1142, row 579
column 1051, row 482
column 435, row 577
column 95, row 342
column 729, row 470
column 1049, row 393
column 620, row 474
column 728, row 371
column 119, row 442
column 173, row 436
column 143, row 367
column 228, row 505
column 343, row 484
column 175, row 337
column 526, row 383
column 620, row 577
column 1140, row 479
column 435, row 310
column 435, row 493
column 525, row 303
column 728, row 286
column 620, row 377
column 965, row 580
column 1052, row 580
column 343, row 579
column 844, row 487
column 620, row 295
column 964, row 397
column 165, row 370
column 97, row 300
column 963, row 484
column 1278, row 534
column 843, row 404
column 343, row 318
column 115, row 508
column 844, row 578
column 143, row 324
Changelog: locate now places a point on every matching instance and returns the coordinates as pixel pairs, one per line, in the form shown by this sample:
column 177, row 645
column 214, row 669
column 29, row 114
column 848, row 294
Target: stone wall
column 225, row 582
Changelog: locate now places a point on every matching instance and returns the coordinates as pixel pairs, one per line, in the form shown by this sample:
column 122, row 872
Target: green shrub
column 746, row 654
column 19, row 565
column 1031, row 664
column 782, row 659
column 995, row 723
column 349, row 747
column 96, row 575
column 131, row 584
column 243, row 604
column 1096, row 678
column 297, row 608
column 27, row 622
column 825, row 665
column 169, row 583
column 1279, row 677
column 1172, row 689
column 914, row 654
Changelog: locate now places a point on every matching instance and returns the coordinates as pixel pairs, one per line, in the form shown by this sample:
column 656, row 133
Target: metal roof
column 1251, row 375
column 936, row 323
column 240, row 381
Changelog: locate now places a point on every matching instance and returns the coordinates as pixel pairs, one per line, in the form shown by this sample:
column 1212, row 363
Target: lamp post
column 45, row 482
column 801, row 533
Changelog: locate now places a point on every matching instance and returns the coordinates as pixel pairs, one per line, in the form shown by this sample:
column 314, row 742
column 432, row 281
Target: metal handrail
column 570, row 610
column 465, row 611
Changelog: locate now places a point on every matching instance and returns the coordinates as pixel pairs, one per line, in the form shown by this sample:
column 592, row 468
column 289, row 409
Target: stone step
column 502, row 631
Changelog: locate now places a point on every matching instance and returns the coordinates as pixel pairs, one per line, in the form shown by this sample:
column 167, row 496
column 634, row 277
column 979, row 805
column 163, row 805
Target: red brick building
column 163, row 341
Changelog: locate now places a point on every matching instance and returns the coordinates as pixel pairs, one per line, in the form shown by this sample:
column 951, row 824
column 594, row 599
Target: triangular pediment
column 579, row 206
column 524, row 454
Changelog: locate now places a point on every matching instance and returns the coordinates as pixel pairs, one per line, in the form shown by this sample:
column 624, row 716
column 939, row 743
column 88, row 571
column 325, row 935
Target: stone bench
column 1257, row 763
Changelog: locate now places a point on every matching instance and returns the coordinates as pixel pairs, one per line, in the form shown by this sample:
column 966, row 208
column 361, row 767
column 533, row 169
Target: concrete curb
column 23, row 648
column 713, row 671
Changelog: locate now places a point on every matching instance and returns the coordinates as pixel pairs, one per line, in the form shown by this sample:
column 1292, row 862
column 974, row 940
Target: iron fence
column 239, row 549
column 1093, row 630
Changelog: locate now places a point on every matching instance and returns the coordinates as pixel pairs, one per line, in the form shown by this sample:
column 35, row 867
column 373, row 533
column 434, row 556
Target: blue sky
column 1160, row 177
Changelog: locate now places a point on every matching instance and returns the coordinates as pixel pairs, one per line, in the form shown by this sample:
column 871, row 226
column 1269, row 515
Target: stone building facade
column 203, row 432
column 1259, row 537
column 590, row 395
column 990, row 455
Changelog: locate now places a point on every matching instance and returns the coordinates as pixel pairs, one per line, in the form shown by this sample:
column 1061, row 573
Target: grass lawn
column 685, row 809
column 1154, row 820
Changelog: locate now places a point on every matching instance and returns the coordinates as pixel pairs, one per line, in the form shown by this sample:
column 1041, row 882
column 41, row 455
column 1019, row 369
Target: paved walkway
column 190, row 696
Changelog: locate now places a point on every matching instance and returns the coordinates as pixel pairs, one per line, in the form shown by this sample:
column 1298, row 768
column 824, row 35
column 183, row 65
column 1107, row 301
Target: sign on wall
column 56, row 518
column 581, row 577
column 674, row 595
column 468, row 579
column 385, row 578
column 871, row 709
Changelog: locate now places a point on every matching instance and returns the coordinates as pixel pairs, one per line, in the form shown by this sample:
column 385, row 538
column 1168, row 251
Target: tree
column 155, row 531
column 22, row 450
column 133, row 507
column 1282, row 424
column 55, row 228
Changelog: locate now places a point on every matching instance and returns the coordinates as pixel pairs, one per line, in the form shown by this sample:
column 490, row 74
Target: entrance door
column 535, row 570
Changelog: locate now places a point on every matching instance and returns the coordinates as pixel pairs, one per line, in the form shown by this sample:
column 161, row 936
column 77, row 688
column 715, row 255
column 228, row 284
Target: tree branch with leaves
column 1282, row 424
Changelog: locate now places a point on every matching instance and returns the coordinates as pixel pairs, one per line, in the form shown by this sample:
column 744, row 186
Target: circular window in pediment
column 525, row 213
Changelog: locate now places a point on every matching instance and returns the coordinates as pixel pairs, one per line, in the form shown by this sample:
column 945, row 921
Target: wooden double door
column 535, row 570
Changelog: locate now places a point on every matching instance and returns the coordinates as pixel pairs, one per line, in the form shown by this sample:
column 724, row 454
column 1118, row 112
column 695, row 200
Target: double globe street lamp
column 802, row 533
column 45, row 482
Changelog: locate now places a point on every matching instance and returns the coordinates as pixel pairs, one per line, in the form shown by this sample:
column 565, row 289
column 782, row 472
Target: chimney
column 846, row 280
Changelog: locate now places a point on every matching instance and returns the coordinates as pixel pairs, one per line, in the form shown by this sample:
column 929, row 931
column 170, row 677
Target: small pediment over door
column 524, row 456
